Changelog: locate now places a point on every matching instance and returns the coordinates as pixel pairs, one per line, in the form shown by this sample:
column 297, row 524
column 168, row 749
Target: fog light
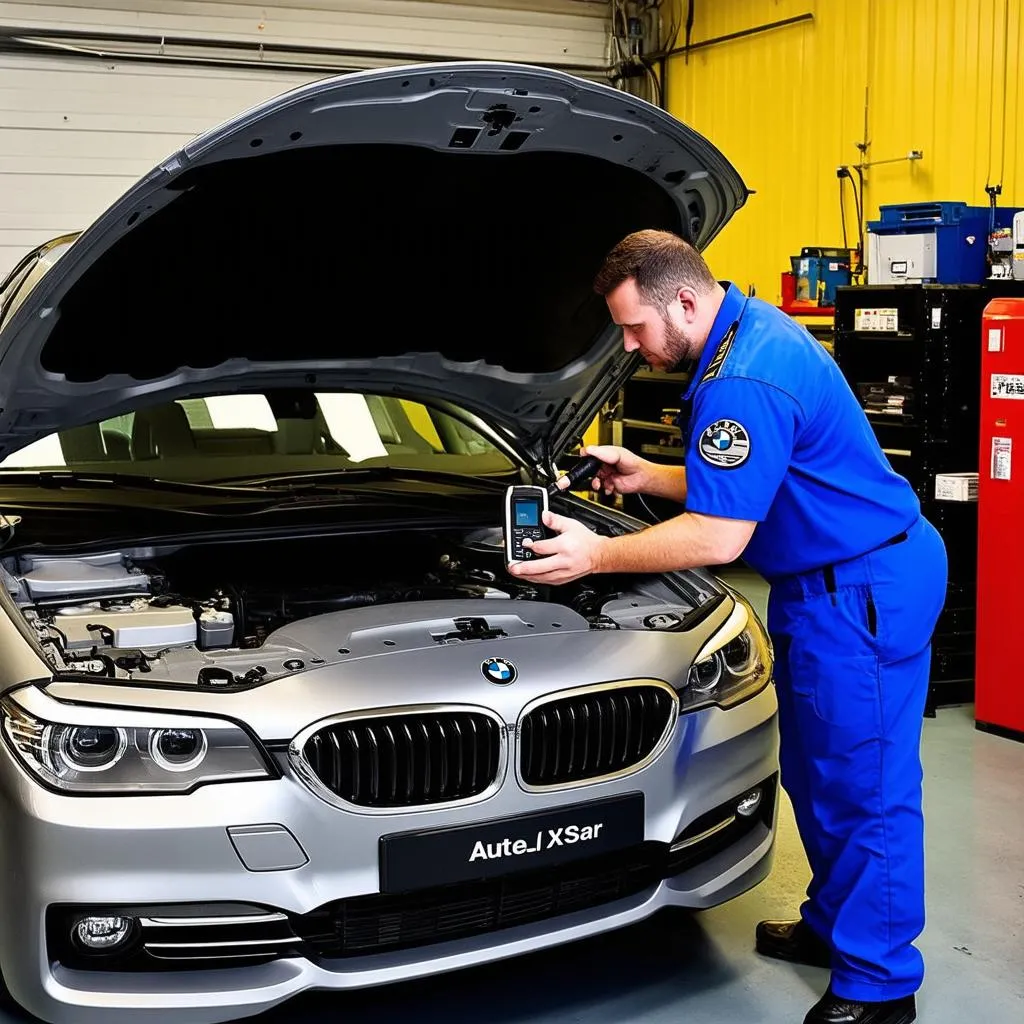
column 103, row 933
column 749, row 804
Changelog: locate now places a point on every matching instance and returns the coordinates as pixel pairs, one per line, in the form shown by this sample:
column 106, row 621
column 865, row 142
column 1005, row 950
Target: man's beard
column 678, row 349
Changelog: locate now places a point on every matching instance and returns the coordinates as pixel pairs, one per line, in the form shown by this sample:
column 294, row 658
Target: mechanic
column 783, row 468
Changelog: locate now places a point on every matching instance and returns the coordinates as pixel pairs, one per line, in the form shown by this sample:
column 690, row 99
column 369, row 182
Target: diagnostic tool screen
column 527, row 513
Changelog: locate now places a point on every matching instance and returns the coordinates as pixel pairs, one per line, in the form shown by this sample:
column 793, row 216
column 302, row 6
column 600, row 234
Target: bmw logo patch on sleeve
column 725, row 444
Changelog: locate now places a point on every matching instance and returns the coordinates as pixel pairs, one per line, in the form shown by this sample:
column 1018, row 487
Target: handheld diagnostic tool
column 524, row 517
column 525, row 506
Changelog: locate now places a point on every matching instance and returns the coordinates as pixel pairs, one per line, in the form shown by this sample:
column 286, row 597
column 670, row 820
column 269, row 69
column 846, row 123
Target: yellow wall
column 788, row 107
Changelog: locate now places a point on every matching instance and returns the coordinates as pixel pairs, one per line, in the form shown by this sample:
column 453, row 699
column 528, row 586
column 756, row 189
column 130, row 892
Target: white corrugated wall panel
column 77, row 131
column 569, row 32
column 75, row 135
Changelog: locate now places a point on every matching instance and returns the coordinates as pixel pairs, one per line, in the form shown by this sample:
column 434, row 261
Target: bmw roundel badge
column 499, row 671
column 725, row 444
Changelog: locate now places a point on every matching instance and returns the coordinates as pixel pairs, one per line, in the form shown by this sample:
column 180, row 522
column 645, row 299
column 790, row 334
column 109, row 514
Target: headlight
column 99, row 751
column 734, row 665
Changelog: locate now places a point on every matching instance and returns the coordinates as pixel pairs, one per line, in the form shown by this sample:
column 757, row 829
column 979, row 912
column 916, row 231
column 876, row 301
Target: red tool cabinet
column 999, row 678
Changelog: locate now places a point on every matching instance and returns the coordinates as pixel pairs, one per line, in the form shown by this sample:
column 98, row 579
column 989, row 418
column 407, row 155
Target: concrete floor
column 701, row 969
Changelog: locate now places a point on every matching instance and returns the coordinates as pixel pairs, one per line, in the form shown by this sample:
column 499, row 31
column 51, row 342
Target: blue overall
column 776, row 436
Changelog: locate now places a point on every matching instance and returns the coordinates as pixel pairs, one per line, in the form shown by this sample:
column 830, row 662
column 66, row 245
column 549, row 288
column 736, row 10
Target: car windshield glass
column 248, row 435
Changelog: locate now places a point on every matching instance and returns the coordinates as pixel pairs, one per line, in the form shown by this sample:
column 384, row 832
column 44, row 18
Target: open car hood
column 429, row 231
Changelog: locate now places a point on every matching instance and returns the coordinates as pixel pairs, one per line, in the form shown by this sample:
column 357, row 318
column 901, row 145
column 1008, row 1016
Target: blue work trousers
column 853, row 651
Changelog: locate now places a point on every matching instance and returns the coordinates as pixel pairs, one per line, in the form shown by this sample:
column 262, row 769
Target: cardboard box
column 956, row 487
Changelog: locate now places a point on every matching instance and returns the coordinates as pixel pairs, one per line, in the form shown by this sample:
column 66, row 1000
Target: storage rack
column 912, row 354
column 643, row 420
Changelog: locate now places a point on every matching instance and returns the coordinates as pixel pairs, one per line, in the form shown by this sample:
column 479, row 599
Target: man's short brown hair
column 660, row 262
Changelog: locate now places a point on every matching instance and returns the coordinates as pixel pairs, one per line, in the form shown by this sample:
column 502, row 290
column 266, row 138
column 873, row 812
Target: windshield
column 237, row 436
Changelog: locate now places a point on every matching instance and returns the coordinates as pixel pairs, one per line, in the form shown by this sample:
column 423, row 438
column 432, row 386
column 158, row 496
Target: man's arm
column 667, row 482
column 686, row 542
column 739, row 453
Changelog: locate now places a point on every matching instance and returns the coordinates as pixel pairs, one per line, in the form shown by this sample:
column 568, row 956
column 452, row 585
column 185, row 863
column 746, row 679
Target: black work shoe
column 794, row 942
column 833, row 1010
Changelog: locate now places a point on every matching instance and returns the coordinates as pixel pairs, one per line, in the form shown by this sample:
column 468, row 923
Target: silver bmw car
column 274, row 715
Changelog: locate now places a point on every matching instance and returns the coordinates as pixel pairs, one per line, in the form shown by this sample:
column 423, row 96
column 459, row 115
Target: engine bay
column 218, row 616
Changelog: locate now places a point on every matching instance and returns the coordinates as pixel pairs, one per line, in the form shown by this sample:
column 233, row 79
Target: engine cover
column 135, row 624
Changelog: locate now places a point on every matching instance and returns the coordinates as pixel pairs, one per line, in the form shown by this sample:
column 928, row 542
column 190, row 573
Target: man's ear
column 688, row 301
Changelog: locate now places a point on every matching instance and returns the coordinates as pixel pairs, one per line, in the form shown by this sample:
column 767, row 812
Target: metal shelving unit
column 636, row 421
column 917, row 372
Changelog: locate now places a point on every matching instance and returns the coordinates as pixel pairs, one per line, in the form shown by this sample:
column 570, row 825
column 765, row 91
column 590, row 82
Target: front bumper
column 323, row 922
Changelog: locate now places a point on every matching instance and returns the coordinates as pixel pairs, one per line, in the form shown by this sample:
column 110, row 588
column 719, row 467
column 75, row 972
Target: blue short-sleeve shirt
column 775, row 435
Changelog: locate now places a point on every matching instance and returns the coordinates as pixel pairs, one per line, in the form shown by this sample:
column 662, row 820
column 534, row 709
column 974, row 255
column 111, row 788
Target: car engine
column 208, row 616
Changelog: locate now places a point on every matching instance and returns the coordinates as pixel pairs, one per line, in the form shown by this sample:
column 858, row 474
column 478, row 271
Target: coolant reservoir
column 216, row 628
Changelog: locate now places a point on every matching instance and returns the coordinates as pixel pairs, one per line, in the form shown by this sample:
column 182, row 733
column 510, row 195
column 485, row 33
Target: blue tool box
column 819, row 271
column 932, row 243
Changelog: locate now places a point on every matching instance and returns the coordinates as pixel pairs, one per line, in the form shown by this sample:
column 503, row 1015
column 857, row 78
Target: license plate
column 465, row 853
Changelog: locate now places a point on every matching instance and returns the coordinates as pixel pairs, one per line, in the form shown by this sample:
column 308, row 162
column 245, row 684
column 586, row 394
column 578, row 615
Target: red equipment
column 999, row 683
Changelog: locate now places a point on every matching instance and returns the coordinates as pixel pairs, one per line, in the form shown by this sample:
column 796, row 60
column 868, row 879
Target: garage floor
column 701, row 969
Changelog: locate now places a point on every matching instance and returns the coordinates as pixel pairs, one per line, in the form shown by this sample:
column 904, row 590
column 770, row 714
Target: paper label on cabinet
column 876, row 319
column 1002, row 450
column 995, row 339
column 1007, row 385
column 936, row 318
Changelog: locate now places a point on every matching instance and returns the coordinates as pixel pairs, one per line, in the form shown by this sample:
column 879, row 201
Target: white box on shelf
column 956, row 487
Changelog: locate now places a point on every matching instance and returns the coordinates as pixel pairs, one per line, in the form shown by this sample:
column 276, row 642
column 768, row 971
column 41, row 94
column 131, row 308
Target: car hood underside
column 432, row 231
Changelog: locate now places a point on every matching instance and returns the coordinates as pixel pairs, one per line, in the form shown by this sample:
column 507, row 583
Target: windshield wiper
column 356, row 476
column 268, row 494
column 61, row 479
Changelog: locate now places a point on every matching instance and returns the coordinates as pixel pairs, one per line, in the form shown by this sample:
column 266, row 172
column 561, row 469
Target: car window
column 220, row 436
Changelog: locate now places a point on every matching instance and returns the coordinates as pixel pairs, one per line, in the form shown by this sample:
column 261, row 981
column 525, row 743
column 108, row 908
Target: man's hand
column 573, row 553
column 622, row 472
